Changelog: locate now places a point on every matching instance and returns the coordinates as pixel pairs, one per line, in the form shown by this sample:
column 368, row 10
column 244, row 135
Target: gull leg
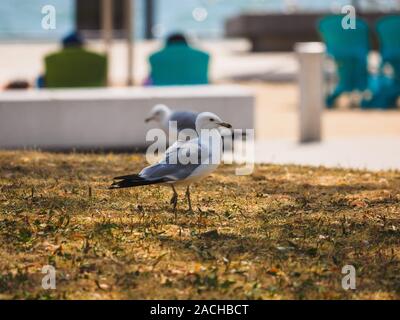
column 174, row 199
column 188, row 198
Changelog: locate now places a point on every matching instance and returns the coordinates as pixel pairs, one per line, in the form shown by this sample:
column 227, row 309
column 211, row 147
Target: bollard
column 310, row 56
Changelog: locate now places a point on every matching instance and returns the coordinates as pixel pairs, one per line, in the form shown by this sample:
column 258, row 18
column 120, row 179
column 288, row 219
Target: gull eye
column 212, row 120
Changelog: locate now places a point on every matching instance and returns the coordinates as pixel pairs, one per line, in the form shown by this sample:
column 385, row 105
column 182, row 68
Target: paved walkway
column 371, row 153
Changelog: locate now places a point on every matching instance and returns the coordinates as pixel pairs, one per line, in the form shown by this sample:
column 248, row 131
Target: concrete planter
column 108, row 118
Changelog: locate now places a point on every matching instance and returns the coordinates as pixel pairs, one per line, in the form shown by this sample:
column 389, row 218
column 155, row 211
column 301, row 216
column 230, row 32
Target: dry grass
column 282, row 232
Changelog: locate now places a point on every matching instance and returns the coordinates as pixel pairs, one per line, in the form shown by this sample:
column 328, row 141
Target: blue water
column 21, row 19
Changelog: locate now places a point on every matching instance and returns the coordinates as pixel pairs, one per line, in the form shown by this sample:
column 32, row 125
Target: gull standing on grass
column 170, row 171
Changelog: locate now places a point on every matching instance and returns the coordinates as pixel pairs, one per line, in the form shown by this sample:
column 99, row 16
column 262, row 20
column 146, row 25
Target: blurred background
column 199, row 18
column 250, row 43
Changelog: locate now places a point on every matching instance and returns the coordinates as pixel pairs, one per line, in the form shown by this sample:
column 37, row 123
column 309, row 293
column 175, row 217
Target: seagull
column 163, row 115
column 172, row 171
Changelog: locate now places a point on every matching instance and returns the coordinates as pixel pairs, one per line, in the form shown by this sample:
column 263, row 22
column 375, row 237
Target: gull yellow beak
column 224, row 124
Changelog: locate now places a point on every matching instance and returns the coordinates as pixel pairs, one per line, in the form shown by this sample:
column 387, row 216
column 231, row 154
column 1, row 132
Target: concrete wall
column 109, row 118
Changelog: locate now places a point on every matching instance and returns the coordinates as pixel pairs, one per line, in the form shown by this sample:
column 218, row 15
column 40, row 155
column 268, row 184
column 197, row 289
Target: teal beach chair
column 386, row 93
column 179, row 64
column 349, row 48
column 75, row 67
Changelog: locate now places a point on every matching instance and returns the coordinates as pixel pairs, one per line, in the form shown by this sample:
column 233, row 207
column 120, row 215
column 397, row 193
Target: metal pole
column 310, row 56
column 149, row 7
column 355, row 4
column 107, row 31
column 129, row 32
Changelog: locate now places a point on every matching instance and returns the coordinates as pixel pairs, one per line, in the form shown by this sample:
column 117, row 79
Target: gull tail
column 134, row 180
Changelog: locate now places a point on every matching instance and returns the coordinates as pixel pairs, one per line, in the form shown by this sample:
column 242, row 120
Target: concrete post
column 107, row 32
column 149, row 12
column 129, row 34
column 311, row 103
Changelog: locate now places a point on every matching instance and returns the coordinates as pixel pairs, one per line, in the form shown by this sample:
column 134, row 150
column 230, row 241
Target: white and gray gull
column 171, row 171
column 163, row 115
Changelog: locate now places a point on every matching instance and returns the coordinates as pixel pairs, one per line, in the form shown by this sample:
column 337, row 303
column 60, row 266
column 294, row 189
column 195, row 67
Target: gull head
column 158, row 113
column 209, row 120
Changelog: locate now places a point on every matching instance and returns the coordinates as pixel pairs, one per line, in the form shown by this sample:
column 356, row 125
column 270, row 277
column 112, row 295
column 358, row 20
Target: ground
column 283, row 232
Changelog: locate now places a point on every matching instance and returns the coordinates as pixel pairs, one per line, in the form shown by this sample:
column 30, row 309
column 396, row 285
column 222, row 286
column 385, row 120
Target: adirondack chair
column 349, row 49
column 179, row 64
column 75, row 67
column 387, row 91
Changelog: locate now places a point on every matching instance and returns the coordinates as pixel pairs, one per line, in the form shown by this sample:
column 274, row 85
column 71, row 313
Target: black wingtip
column 135, row 181
column 113, row 186
column 131, row 176
column 128, row 181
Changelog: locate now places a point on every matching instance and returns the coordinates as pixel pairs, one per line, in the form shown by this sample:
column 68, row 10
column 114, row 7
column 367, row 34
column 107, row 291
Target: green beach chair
column 349, row 48
column 75, row 67
column 179, row 64
column 385, row 95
